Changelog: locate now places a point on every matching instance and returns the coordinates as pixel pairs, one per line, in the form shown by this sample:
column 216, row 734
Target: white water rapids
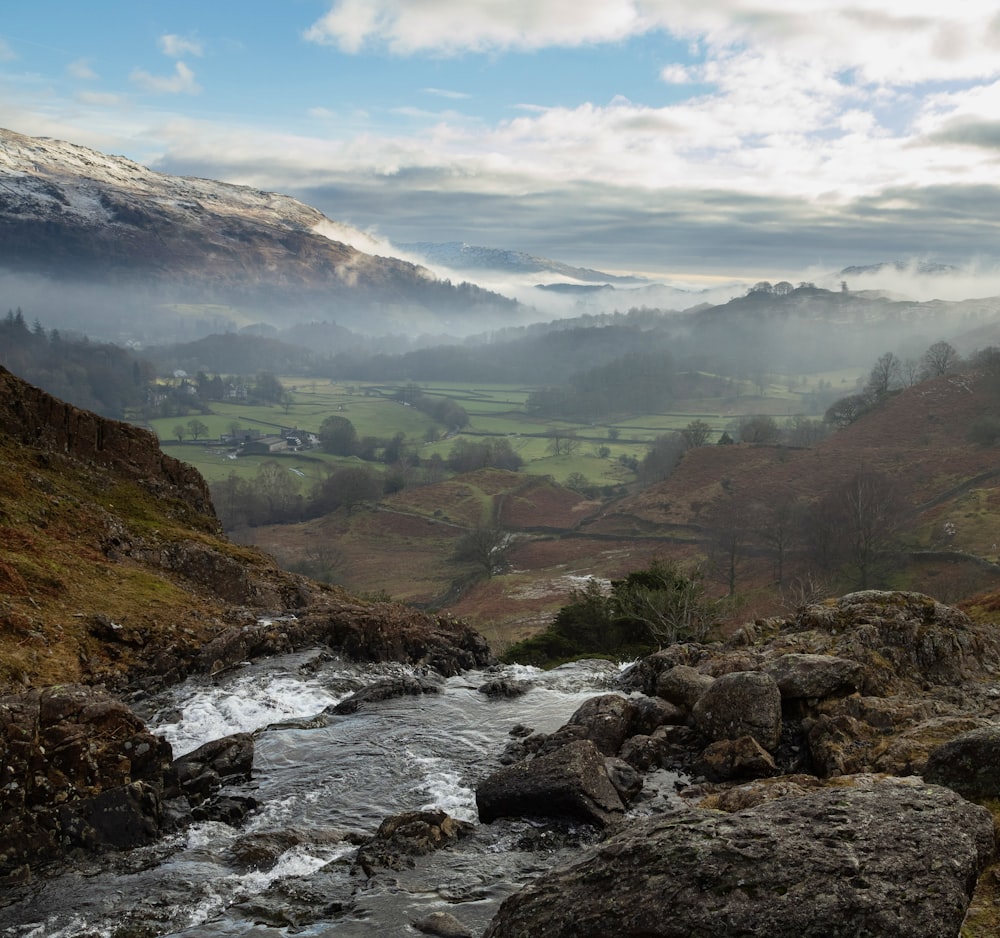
column 315, row 774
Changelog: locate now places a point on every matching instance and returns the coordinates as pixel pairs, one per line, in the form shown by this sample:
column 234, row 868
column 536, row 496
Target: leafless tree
column 696, row 433
column 730, row 523
column 855, row 526
column 940, row 359
column 886, row 375
column 777, row 522
column 485, row 547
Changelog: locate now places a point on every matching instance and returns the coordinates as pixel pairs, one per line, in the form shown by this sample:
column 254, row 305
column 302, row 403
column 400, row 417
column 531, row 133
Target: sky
column 686, row 139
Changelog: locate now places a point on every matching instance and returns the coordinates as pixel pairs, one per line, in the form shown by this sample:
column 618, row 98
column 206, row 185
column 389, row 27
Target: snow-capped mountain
column 72, row 214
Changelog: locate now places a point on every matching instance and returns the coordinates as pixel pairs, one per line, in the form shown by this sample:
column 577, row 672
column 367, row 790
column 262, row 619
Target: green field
column 494, row 411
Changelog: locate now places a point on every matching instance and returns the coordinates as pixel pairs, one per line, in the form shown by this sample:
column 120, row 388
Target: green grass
column 494, row 410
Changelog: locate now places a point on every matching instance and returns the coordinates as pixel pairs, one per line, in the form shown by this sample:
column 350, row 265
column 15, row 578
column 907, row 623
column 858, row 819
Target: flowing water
column 317, row 774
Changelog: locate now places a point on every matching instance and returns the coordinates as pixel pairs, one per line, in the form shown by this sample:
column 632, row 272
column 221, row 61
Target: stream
column 317, row 774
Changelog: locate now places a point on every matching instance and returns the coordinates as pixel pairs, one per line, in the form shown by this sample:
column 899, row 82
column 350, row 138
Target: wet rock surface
column 786, row 829
column 570, row 782
column 414, row 833
column 891, row 859
column 78, row 771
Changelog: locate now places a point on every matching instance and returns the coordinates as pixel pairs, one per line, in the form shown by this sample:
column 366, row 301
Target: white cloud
column 179, row 46
column 181, row 82
column 881, row 41
column 101, row 99
column 451, row 26
column 444, row 93
column 81, row 69
column 7, row 54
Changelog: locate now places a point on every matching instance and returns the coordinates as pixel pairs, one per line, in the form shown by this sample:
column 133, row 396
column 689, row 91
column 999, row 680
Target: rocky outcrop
column 782, row 728
column 78, row 771
column 570, row 782
column 403, row 685
column 41, row 421
column 81, row 774
column 375, row 632
column 890, row 860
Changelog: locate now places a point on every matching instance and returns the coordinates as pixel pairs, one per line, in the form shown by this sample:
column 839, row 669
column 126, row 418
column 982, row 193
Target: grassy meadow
column 494, row 411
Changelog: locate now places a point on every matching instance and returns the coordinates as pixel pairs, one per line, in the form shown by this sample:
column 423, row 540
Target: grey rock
column 606, row 721
column 892, row 860
column 968, row 764
column 404, row 836
column 570, row 782
column 806, row 676
column 403, row 685
column 682, row 686
column 442, row 924
column 728, row 760
column 743, row 703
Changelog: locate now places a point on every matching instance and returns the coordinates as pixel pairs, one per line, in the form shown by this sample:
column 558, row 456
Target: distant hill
column 457, row 255
column 72, row 215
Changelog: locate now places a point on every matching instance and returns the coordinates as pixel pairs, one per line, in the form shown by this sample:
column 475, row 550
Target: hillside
column 113, row 567
column 74, row 215
column 947, row 486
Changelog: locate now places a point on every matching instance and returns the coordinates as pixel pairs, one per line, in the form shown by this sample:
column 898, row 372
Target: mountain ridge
column 72, row 214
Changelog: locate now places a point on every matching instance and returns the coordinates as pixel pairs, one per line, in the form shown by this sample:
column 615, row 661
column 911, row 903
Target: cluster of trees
column 443, row 410
column 337, row 435
column 890, row 374
column 276, row 495
column 654, row 606
column 636, row 383
column 848, row 538
column 105, row 378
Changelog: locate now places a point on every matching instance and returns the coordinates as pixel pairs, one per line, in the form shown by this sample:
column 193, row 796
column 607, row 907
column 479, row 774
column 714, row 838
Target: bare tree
column 940, row 359
column 696, row 433
column 485, row 547
column 759, row 429
column 886, row 375
column 855, row 526
column 197, row 428
column 562, row 442
column 777, row 520
column 730, row 524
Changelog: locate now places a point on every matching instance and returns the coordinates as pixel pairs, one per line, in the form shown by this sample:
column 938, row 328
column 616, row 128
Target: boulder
column 504, row 687
column 968, row 764
column 669, row 747
column 741, row 703
column 804, row 676
column 627, row 781
column 262, row 850
column 442, row 924
column 890, row 860
column 653, row 712
column 606, row 721
column 203, row 772
column 682, row 685
column 730, row 760
column 404, row 836
column 570, row 782
column 402, row 685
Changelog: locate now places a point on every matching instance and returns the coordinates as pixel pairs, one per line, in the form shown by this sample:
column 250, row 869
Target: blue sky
column 686, row 138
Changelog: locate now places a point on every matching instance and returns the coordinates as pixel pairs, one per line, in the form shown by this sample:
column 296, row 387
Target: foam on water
column 446, row 789
column 242, row 706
